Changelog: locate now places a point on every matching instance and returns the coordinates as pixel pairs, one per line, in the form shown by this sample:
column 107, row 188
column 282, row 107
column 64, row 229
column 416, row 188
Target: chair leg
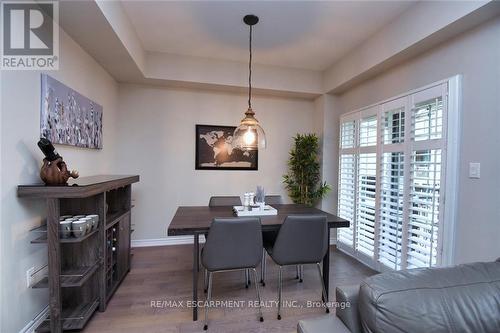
column 297, row 270
column 205, row 278
column 199, row 258
column 301, row 273
column 209, row 297
column 263, row 269
column 325, row 298
column 258, row 294
column 246, row 278
column 280, row 287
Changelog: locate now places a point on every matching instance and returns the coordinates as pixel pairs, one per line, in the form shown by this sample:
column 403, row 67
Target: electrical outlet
column 30, row 273
column 474, row 170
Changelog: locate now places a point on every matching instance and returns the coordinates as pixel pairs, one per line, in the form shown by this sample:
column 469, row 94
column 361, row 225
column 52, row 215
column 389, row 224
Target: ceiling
column 300, row 34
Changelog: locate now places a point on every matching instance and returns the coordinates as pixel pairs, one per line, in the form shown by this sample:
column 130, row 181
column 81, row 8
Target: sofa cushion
column 464, row 298
column 348, row 313
column 325, row 324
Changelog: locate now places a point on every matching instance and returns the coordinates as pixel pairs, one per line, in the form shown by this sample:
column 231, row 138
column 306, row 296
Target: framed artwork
column 69, row 118
column 214, row 150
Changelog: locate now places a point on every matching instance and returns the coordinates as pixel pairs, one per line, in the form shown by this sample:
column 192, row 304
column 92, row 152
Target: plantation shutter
column 347, row 179
column 391, row 175
column 365, row 217
column 391, row 209
column 426, row 174
column 366, row 182
column 392, row 181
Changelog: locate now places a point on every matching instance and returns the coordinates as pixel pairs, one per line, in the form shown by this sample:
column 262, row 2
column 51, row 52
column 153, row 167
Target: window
column 391, row 175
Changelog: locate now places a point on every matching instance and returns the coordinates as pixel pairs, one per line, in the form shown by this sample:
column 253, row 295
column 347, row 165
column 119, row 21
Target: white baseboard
column 172, row 240
column 33, row 324
column 179, row 240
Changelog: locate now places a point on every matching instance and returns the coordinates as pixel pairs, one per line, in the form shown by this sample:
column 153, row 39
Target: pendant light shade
column 249, row 135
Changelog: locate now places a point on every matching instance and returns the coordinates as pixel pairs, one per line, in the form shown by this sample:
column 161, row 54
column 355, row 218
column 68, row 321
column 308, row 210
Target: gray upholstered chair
column 228, row 201
column 274, row 199
column 232, row 244
column 218, row 201
column 270, row 237
column 302, row 239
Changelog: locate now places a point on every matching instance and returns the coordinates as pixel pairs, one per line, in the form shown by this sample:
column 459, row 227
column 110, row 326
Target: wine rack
column 83, row 273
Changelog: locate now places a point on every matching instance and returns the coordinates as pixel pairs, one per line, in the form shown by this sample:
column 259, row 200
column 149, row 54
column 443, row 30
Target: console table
column 83, row 273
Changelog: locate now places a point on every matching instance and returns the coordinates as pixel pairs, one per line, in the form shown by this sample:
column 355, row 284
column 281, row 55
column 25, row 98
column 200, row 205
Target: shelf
column 42, row 228
column 71, row 278
column 73, row 318
column 113, row 217
column 43, row 238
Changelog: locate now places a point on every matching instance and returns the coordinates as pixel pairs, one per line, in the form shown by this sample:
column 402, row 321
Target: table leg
column 326, row 267
column 196, row 248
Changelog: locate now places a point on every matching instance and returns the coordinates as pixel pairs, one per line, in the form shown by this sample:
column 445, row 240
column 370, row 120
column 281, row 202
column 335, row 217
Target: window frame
column 449, row 143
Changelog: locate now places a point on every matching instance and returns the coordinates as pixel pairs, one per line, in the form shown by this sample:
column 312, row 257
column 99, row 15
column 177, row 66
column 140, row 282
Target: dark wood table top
column 77, row 188
column 189, row 220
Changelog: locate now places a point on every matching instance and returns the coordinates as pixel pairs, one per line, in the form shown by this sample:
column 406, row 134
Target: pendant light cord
column 250, row 72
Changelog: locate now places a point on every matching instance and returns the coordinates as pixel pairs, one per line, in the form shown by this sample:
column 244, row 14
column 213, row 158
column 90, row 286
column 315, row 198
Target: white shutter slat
column 391, row 209
column 347, row 134
column 427, row 120
column 347, row 192
column 393, row 126
column 423, row 208
column 365, row 218
column 368, row 131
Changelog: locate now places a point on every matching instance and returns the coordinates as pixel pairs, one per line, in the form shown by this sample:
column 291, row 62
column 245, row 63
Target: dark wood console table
column 83, row 272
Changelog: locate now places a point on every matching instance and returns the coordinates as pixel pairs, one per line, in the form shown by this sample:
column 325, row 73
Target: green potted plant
column 303, row 180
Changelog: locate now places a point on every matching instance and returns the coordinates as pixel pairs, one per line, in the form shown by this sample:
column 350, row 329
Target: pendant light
column 249, row 135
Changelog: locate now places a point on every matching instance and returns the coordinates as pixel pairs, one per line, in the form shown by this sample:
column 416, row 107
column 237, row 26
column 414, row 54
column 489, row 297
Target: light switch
column 474, row 170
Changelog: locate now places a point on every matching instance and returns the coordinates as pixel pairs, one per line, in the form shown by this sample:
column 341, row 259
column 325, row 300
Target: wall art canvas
column 214, row 150
column 69, row 118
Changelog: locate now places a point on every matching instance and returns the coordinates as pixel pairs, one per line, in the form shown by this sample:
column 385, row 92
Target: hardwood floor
column 163, row 274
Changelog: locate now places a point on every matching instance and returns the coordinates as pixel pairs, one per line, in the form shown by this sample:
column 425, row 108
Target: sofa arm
column 347, row 307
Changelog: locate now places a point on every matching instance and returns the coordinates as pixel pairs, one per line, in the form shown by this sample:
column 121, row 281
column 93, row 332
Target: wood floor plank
column 163, row 274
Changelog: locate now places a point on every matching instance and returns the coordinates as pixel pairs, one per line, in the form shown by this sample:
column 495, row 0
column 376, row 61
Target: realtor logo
column 30, row 35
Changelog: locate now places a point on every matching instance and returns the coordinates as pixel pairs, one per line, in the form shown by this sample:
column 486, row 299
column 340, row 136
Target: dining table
column 196, row 221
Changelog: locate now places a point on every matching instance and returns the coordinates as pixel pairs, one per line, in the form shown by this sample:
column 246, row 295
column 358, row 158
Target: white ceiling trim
column 120, row 52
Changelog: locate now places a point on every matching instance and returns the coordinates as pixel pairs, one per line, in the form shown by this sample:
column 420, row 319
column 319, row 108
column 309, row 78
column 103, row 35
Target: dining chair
column 232, row 244
column 218, row 201
column 302, row 239
column 270, row 236
column 228, row 201
column 273, row 200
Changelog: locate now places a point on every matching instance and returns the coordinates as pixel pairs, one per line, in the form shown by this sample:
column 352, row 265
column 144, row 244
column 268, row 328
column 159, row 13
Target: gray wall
column 476, row 55
column 157, row 141
column 20, row 164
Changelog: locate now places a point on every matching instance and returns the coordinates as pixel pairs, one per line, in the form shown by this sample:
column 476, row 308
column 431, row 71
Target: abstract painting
column 214, row 150
column 69, row 118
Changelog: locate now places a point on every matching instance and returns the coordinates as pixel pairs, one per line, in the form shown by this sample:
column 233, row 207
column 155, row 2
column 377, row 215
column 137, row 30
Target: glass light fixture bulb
column 249, row 135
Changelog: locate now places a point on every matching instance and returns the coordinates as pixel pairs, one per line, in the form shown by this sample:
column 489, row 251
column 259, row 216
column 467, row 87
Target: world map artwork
column 214, row 150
